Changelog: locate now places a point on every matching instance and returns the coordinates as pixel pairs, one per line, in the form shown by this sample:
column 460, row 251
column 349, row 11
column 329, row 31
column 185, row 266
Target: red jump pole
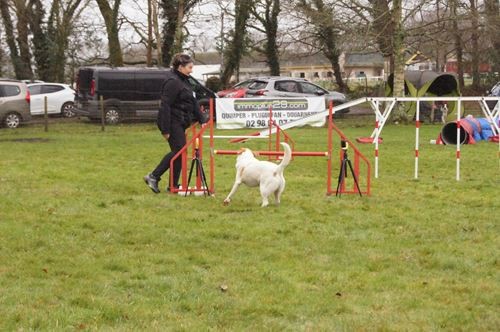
column 212, row 156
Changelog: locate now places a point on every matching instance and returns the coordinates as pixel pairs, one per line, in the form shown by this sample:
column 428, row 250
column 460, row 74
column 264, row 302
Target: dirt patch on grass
column 26, row 140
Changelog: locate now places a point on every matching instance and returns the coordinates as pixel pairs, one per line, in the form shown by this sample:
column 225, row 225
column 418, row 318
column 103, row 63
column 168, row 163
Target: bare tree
column 474, row 17
column 459, row 49
column 398, row 39
column 109, row 13
column 321, row 16
column 237, row 44
column 17, row 39
column 266, row 13
column 173, row 13
column 1, row 55
column 157, row 32
column 149, row 47
column 492, row 14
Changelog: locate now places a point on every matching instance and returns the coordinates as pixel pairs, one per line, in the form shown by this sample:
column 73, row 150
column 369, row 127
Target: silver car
column 277, row 86
column 14, row 103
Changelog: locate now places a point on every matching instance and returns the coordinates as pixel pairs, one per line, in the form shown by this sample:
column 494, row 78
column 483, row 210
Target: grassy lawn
column 84, row 244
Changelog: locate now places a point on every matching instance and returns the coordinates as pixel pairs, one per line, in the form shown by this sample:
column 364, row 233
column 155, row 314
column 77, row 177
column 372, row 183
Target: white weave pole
column 417, row 132
column 377, row 128
column 459, row 111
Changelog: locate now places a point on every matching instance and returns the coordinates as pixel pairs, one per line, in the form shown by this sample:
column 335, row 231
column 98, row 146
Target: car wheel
column 68, row 110
column 112, row 115
column 12, row 120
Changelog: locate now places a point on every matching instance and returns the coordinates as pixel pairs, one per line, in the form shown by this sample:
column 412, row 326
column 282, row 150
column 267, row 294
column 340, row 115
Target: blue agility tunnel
column 472, row 130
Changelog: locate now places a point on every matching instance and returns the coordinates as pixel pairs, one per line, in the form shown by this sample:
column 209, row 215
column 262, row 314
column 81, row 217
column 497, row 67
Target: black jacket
column 178, row 103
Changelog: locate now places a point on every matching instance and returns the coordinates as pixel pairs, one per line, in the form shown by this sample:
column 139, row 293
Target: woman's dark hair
column 181, row 59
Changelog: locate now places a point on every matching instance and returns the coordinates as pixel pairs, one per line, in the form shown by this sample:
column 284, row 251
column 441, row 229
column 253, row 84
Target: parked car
column 278, row 86
column 31, row 81
column 127, row 92
column 494, row 92
column 236, row 91
column 60, row 99
column 14, row 103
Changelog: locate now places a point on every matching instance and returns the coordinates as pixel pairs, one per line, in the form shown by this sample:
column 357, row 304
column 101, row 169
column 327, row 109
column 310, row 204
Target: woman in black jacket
column 179, row 109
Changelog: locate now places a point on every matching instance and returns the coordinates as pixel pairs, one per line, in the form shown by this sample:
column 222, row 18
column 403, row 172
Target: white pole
column 492, row 120
column 377, row 126
column 459, row 111
column 417, row 129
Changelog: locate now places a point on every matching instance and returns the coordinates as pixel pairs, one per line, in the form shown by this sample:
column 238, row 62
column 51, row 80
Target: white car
column 60, row 99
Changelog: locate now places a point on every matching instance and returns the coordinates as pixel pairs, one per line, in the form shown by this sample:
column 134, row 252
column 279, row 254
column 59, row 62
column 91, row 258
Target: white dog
column 267, row 175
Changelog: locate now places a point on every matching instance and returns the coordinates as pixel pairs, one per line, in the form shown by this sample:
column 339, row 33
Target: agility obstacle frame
column 383, row 112
column 273, row 129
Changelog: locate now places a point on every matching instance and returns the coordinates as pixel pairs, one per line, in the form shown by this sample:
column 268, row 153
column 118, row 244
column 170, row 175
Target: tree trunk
column 19, row 52
column 156, row 28
column 110, row 16
column 173, row 14
column 1, row 59
column 269, row 20
column 383, row 29
column 458, row 44
column 179, row 34
column 322, row 19
column 22, row 39
column 398, row 39
column 149, row 47
column 492, row 11
column 10, row 38
column 437, row 46
column 475, row 45
column 40, row 42
column 169, row 28
column 234, row 51
column 330, row 37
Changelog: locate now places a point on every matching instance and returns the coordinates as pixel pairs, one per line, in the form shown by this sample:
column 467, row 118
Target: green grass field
column 84, row 244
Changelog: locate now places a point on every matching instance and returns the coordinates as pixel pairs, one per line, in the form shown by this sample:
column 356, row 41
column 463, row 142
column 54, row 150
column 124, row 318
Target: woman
column 179, row 109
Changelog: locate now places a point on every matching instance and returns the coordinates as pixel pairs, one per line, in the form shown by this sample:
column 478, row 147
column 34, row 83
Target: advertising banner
column 254, row 112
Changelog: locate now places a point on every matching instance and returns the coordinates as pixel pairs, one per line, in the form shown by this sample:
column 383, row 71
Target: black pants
column 177, row 140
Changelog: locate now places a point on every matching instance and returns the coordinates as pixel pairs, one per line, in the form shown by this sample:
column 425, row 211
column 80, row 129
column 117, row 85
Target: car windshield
column 257, row 85
column 243, row 84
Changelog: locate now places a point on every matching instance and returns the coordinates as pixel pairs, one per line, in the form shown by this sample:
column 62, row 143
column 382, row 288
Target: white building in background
column 314, row 67
column 200, row 71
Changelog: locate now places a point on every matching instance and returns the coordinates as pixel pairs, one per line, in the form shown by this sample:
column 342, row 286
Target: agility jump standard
column 197, row 138
column 382, row 115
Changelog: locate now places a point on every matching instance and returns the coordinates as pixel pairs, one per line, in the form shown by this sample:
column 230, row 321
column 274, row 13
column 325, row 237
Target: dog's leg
column 233, row 190
column 277, row 193
column 265, row 201
column 264, row 192
column 237, row 182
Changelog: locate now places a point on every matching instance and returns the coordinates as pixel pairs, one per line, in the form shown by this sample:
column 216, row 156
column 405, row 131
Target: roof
column 364, row 59
column 107, row 68
column 417, row 58
column 255, row 61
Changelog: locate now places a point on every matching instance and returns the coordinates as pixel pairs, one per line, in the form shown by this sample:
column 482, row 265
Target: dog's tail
column 286, row 158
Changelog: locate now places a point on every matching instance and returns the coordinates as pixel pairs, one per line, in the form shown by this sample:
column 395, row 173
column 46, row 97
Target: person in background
column 178, row 111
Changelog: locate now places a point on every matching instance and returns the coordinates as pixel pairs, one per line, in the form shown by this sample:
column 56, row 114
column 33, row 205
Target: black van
column 128, row 92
